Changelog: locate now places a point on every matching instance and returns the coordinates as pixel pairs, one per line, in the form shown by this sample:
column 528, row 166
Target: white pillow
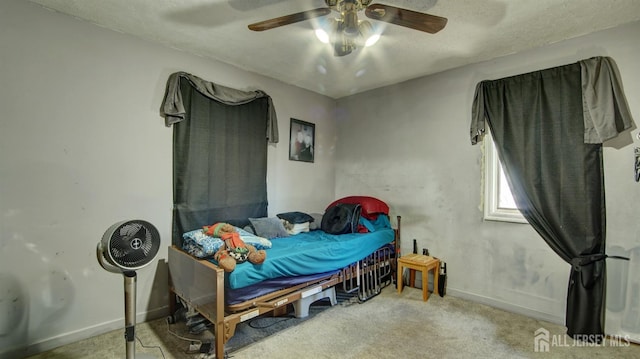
column 298, row 228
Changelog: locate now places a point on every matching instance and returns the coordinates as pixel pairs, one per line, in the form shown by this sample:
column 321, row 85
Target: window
column 499, row 204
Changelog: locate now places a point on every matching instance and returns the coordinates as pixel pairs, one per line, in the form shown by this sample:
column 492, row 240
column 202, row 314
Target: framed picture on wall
column 301, row 140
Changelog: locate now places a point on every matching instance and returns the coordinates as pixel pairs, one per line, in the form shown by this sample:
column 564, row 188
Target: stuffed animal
column 233, row 250
column 218, row 229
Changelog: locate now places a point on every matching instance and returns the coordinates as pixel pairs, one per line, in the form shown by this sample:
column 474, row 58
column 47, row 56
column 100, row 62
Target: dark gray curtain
column 174, row 111
column 219, row 161
column 537, row 121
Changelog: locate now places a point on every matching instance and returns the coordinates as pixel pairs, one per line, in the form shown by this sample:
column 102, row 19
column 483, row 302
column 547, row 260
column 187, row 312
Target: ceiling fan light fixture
column 371, row 40
column 350, row 24
column 343, row 45
column 322, row 36
column 367, row 33
column 346, row 33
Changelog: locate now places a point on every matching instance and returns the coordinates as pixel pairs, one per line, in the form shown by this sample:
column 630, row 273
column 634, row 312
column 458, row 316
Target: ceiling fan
column 347, row 28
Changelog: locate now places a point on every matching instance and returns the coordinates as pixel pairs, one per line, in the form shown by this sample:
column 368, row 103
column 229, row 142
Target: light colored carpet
column 393, row 326
column 387, row 326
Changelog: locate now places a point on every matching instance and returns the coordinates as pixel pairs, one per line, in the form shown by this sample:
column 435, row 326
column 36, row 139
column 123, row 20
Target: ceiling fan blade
column 407, row 18
column 289, row 19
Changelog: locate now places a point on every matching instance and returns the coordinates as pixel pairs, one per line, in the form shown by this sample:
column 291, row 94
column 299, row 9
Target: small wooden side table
column 421, row 263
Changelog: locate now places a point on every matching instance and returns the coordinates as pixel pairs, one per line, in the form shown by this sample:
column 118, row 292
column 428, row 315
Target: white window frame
column 493, row 187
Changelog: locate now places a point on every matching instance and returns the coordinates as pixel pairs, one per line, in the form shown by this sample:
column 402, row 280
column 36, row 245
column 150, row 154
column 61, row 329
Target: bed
column 299, row 269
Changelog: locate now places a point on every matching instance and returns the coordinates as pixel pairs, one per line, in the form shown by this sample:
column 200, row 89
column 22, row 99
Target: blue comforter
column 309, row 253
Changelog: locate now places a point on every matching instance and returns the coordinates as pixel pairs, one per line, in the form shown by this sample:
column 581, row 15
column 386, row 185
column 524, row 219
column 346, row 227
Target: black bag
column 442, row 279
column 341, row 218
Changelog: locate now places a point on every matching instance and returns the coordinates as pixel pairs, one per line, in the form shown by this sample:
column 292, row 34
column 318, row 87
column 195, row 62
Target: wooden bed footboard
column 200, row 284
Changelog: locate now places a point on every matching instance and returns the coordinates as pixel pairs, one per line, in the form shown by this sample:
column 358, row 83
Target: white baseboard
column 509, row 307
column 81, row 334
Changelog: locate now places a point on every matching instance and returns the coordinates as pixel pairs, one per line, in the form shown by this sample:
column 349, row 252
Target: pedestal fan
column 126, row 247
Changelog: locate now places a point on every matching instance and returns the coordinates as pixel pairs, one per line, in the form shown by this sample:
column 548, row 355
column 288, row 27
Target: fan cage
column 133, row 244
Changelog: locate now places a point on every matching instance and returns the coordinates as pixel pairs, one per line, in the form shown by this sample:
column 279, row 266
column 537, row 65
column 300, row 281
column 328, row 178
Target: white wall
column 82, row 146
column 409, row 145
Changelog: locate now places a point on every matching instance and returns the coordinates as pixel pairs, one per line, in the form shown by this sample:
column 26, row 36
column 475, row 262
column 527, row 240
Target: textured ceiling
column 476, row 31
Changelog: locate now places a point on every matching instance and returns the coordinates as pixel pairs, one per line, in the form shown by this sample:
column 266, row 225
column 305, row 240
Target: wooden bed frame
column 200, row 284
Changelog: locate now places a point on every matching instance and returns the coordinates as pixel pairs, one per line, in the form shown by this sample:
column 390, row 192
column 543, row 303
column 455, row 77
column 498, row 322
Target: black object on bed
column 341, row 218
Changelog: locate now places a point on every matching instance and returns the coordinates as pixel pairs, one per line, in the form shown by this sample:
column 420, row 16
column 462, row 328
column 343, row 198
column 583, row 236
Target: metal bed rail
column 369, row 275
